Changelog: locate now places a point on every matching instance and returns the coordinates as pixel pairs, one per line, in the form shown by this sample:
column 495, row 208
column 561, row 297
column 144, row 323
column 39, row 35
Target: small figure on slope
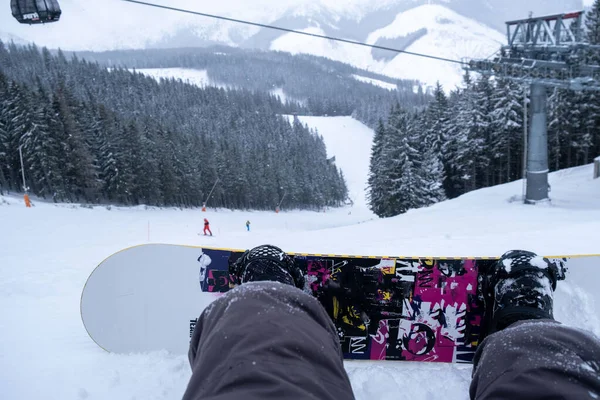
column 207, row 227
column 248, row 225
column 267, row 339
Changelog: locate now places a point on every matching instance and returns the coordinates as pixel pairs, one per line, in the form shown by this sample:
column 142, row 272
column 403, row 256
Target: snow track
column 47, row 253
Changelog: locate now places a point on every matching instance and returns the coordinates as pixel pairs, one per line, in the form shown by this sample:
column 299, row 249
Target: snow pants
column 267, row 340
column 539, row 359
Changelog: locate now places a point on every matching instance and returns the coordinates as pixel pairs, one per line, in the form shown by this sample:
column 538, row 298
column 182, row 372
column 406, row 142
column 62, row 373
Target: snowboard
column 148, row 297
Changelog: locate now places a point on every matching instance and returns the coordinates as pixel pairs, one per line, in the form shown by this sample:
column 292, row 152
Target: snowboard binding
column 519, row 286
column 266, row 263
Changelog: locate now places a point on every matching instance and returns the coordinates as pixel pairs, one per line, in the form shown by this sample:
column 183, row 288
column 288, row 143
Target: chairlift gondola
column 35, row 11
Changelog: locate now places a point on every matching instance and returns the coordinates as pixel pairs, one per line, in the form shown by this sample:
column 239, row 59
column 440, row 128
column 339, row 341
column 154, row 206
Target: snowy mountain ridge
column 452, row 28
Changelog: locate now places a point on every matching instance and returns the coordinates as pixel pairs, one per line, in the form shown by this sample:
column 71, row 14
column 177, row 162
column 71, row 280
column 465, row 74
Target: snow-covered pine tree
column 507, row 131
column 405, row 163
column 592, row 31
column 13, row 123
column 462, row 142
column 41, row 149
column 591, row 122
column 377, row 185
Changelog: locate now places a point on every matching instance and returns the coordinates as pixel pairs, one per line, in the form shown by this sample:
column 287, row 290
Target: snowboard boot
column 266, row 263
column 520, row 286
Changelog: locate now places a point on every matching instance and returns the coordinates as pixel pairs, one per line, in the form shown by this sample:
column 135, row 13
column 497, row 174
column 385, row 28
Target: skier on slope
column 207, row 227
column 248, row 225
column 280, row 343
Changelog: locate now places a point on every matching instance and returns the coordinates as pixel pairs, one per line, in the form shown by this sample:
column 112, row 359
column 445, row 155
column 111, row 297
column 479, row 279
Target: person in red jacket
column 207, row 227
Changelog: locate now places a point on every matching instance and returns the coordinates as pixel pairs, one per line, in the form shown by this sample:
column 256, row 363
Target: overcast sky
column 588, row 2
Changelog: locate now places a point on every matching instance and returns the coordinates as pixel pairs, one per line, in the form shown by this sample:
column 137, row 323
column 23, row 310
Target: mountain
column 451, row 28
column 428, row 29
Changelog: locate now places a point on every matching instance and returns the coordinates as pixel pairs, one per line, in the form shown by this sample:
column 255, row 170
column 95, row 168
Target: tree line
column 471, row 139
column 322, row 86
column 89, row 134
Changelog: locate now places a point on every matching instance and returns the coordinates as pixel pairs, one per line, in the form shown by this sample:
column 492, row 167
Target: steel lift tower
column 544, row 52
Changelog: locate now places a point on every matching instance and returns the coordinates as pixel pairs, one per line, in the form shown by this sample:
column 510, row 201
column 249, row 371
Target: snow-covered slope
column 376, row 82
column 110, row 24
column 349, row 141
column 195, row 77
column 448, row 35
column 48, row 251
column 452, row 27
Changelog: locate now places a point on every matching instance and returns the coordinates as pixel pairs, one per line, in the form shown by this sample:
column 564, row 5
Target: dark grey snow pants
column 537, row 360
column 266, row 340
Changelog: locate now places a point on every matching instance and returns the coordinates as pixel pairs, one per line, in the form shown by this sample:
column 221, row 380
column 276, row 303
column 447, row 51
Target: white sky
column 588, row 2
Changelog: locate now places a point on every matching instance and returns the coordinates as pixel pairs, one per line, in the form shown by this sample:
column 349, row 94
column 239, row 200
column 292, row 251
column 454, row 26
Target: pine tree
column 403, row 164
column 376, row 189
column 592, row 114
column 507, row 131
column 41, row 149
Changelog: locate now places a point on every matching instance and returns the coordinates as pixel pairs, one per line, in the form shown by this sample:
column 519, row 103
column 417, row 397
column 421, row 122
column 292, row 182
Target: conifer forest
column 93, row 130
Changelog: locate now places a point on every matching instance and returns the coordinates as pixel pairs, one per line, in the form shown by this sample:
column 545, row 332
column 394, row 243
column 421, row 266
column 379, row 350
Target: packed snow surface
column 376, row 82
column 48, row 251
column 448, row 35
column 197, row 77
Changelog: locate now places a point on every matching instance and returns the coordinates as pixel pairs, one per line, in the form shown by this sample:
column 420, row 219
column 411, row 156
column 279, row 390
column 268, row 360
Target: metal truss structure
column 543, row 52
column 548, row 50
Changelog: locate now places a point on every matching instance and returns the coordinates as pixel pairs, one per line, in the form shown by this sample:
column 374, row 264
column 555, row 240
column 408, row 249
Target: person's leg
column 266, row 339
column 537, row 359
column 525, row 353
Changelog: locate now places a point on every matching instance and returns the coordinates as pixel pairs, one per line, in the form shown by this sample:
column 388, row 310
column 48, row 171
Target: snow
column 449, row 35
column 352, row 54
column 116, row 24
column 48, row 251
column 198, row 77
column 283, row 97
column 376, row 82
column 350, row 142
column 279, row 93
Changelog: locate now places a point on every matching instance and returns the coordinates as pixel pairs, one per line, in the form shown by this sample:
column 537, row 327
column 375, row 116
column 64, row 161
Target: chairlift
column 35, row 11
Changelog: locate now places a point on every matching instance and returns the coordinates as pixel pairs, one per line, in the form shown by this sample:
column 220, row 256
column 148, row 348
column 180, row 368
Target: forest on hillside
column 322, row 86
column 90, row 134
column 473, row 138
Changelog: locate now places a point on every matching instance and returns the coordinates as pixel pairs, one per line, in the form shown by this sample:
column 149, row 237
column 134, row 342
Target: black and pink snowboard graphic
column 385, row 308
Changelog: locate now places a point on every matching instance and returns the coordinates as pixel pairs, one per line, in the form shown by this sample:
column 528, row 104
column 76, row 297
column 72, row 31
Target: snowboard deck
column 148, row 297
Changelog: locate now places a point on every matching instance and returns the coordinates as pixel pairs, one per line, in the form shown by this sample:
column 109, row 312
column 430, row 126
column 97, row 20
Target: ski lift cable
column 296, row 32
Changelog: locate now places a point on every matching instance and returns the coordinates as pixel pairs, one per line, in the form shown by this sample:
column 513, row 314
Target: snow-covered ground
column 449, row 35
column 376, row 82
column 198, row 77
column 47, row 252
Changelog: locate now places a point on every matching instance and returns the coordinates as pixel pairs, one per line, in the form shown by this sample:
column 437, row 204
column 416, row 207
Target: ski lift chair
column 35, row 11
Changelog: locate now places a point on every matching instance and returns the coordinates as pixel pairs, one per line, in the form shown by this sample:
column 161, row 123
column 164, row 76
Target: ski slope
column 48, row 251
column 197, row 77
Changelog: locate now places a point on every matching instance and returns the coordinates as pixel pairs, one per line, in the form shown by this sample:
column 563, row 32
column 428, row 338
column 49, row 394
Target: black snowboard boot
column 266, row 263
column 520, row 286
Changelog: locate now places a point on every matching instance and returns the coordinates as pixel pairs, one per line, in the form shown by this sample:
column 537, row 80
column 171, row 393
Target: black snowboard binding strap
column 519, row 286
column 266, row 263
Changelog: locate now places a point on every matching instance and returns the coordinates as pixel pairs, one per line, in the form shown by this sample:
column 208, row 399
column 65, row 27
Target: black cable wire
column 296, row 32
